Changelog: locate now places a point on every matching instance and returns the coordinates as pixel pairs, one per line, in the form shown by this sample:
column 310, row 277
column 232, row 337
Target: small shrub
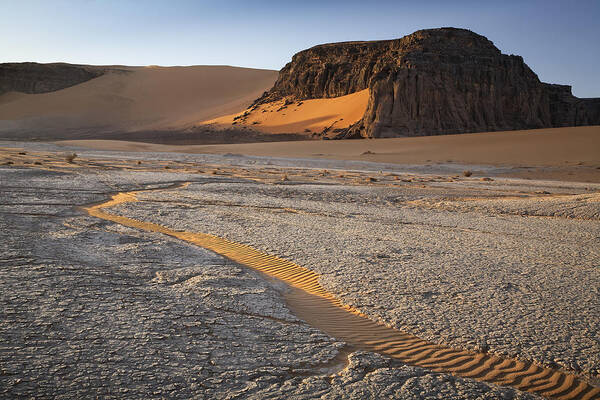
column 467, row 173
column 70, row 157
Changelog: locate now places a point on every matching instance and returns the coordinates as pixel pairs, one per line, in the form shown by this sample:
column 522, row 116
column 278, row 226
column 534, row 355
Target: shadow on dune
column 188, row 137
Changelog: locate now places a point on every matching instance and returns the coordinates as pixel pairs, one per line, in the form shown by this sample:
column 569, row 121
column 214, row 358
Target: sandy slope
column 300, row 116
column 559, row 153
column 538, row 147
column 136, row 98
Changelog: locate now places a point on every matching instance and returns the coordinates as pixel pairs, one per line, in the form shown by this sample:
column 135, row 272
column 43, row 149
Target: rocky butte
column 434, row 81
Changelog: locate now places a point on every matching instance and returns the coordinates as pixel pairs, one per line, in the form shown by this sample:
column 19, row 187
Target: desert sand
column 571, row 154
column 308, row 116
column 129, row 99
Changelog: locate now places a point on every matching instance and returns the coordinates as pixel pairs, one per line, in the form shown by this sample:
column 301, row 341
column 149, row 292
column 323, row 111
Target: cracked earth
column 91, row 308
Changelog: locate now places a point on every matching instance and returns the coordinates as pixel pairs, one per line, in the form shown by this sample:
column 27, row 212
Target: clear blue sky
column 559, row 40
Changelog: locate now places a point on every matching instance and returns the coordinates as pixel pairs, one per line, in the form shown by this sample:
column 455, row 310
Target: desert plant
column 70, row 157
column 467, row 173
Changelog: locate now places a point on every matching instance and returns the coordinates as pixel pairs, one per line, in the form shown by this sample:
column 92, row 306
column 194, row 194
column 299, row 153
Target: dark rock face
column 435, row 81
column 568, row 110
column 41, row 78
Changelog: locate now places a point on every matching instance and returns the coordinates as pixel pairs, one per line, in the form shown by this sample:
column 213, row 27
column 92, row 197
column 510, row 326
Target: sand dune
column 305, row 116
column 571, row 154
column 538, row 147
column 129, row 99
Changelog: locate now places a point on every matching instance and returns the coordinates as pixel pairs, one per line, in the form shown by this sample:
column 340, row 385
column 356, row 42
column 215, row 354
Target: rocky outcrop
column 435, row 81
column 568, row 110
column 42, row 78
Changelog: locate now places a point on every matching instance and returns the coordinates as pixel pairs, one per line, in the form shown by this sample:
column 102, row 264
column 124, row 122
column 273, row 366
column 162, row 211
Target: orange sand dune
column 134, row 99
column 300, row 116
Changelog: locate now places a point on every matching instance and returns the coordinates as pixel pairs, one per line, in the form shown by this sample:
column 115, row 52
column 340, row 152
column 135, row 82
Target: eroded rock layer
column 35, row 78
column 435, row 81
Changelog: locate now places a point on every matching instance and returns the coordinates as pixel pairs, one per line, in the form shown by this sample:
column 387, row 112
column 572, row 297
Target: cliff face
column 42, row 78
column 568, row 110
column 435, row 81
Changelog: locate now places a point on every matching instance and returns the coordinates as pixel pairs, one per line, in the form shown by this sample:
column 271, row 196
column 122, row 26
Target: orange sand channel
column 312, row 303
column 300, row 116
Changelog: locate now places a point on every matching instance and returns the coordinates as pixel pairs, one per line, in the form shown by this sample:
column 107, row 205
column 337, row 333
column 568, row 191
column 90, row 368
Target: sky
column 559, row 40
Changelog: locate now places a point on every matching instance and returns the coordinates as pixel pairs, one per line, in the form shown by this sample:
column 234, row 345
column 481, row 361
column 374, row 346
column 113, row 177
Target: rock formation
column 42, row 78
column 435, row 81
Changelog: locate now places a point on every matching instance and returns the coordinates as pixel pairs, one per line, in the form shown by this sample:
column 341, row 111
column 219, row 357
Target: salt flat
column 91, row 307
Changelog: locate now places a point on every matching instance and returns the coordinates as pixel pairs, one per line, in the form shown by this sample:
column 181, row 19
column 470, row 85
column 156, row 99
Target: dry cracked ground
column 91, row 308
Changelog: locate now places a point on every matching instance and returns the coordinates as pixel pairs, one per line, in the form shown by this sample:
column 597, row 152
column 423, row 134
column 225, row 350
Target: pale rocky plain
column 92, row 308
